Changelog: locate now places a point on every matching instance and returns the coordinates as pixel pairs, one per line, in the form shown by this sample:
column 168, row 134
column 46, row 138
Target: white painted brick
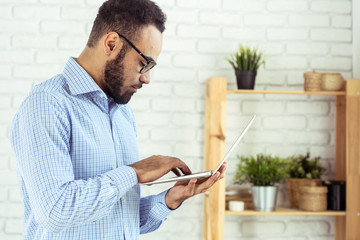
column 62, row 2
column 162, row 3
column 139, row 103
column 149, row 148
column 182, row 16
column 309, row 20
column 17, row 26
column 281, row 6
column 331, row 6
column 15, row 86
column 341, row 21
column 307, row 137
column 217, row 46
column 172, row 134
column 296, row 78
column 308, row 227
column 72, row 42
column 5, row 73
column 196, row 91
column 331, row 64
column 248, row 5
column 281, row 122
column 5, row 101
column 163, row 74
column 13, row 210
column 13, row 226
column 204, row 4
column 342, row 49
column 307, row 48
column 173, row 105
column 16, row 56
column 246, row 34
column 272, row 78
column 197, row 31
column 287, row 34
column 6, row 117
column 297, row 108
column 18, row 98
column 14, row 194
column 170, row 30
column 188, row 150
column 152, row 119
column 6, row 12
column 41, row 72
column 156, row 89
column 264, row 136
column 250, row 228
column 272, row 48
column 34, row 41
column 322, row 123
column 5, row 40
column 263, row 107
column 334, row 35
column 3, row 194
column 262, row 19
column 69, row 27
column 51, row 57
column 286, row 150
column 83, row 13
column 194, row 60
column 12, row 163
column 4, row 236
column 286, row 63
column 225, row 18
column 165, row 59
column 188, row 119
column 179, row 45
column 36, row 12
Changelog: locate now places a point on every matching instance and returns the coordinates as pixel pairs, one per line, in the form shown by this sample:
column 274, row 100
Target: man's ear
column 111, row 43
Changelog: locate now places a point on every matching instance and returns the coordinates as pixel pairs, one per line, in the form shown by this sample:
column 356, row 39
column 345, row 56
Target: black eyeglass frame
column 150, row 63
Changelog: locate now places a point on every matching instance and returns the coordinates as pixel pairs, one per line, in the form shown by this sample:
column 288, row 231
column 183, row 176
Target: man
column 74, row 137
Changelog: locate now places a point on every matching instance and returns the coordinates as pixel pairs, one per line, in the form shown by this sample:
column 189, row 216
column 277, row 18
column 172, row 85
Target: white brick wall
column 37, row 36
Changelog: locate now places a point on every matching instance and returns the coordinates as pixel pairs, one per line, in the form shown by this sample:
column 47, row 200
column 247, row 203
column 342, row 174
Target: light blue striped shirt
column 72, row 145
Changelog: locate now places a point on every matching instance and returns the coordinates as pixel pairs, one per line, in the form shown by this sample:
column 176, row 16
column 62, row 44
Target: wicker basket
column 312, row 81
column 313, row 198
column 294, row 184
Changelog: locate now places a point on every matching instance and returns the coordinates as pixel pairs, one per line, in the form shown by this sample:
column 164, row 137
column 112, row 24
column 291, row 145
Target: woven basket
column 313, row 198
column 312, row 81
column 294, row 184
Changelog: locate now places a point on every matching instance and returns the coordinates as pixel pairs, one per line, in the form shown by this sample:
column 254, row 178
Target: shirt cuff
column 161, row 210
column 124, row 177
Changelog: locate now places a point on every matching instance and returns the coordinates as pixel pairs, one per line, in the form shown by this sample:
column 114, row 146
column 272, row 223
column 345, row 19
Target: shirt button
column 101, row 95
column 157, row 210
column 117, row 142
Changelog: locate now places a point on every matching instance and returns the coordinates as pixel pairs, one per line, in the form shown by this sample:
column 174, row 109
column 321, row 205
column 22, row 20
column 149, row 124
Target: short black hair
column 126, row 17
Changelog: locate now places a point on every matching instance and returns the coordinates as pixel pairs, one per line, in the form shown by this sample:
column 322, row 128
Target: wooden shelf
column 283, row 211
column 287, row 92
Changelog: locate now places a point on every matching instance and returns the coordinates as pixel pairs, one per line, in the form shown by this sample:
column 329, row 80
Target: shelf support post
column 214, row 200
column 352, row 159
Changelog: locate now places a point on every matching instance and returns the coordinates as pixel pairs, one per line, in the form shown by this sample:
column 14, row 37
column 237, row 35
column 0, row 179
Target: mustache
column 138, row 86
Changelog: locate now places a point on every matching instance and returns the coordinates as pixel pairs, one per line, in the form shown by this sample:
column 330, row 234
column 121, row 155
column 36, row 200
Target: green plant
column 246, row 58
column 304, row 167
column 262, row 170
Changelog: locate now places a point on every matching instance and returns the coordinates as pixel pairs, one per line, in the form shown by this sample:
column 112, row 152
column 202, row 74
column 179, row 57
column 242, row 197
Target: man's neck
column 94, row 66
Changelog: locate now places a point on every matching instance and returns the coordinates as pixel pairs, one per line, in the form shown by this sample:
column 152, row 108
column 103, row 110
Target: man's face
column 122, row 77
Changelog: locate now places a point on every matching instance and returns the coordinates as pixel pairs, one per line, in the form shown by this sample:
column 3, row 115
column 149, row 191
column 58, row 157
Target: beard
column 114, row 79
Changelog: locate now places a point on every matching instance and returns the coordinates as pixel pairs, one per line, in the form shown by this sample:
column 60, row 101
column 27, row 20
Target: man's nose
column 145, row 77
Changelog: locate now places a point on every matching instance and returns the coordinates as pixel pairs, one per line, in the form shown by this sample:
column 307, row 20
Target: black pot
column 336, row 195
column 245, row 79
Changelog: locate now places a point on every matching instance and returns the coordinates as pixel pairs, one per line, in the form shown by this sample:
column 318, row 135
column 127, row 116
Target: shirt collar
column 79, row 81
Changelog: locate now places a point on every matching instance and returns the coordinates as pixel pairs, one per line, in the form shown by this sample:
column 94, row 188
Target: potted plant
column 304, row 171
column 263, row 172
column 246, row 61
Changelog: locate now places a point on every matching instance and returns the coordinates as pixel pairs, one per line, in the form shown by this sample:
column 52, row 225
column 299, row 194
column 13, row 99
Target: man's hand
column 154, row 167
column 186, row 189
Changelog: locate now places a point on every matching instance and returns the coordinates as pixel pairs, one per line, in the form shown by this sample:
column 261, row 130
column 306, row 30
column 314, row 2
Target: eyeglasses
column 150, row 63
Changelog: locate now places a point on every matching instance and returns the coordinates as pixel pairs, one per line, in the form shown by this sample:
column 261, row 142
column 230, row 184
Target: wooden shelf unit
column 347, row 158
